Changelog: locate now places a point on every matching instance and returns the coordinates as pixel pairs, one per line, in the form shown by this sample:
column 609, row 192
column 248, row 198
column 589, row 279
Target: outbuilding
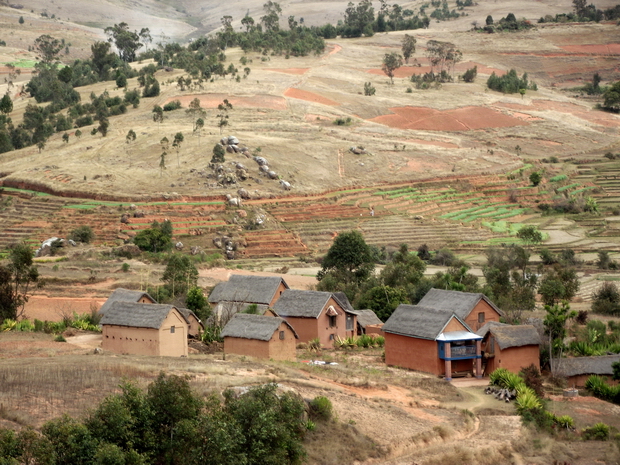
column 513, row 347
column 260, row 336
column 577, row 370
column 144, row 329
column 126, row 295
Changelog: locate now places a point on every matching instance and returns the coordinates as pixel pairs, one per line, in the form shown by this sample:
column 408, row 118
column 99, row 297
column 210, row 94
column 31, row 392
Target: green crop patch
column 567, row 187
column 558, row 178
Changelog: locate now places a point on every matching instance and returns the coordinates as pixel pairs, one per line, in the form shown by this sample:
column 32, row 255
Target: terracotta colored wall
column 135, row 341
column 276, row 348
column 250, row 347
column 194, row 327
column 413, row 353
column 145, row 300
column 489, row 315
column 276, row 296
column 513, row 358
column 306, row 328
column 173, row 344
column 375, row 329
column 310, row 328
column 454, row 325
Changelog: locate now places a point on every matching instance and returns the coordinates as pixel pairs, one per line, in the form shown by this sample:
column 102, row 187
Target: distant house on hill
column 315, row 314
column 195, row 326
column 260, row 336
column 126, row 295
column 240, row 291
column 474, row 309
column 513, row 347
column 577, row 370
column 144, row 329
column 368, row 322
column 433, row 340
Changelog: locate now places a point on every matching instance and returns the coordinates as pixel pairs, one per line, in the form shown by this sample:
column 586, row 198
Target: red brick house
column 260, row 336
column 315, row 314
column 513, row 347
column 431, row 340
column 144, row 329
column 240, row 291
column 474, row 309
column 126, row 295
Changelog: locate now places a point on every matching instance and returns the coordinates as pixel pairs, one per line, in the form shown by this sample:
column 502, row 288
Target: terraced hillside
column 462, row 213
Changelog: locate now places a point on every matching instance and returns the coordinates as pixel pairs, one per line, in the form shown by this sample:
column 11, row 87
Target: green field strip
column 567, row 187
column 558, row 178
column 26, row 191
column 584, row 189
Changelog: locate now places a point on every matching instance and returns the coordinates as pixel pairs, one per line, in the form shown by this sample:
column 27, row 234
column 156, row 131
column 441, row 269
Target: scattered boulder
column 242, row 213
column 243, row 193
column 285, row 185
column 125, row 218
column 261, row 161
column 138, row 214
column 242, row 174
column 232, row 140
column 229, row 149
column 98, row 351
column 178, row 245
column 272, row 174
column 195, row 249
column 359, row 150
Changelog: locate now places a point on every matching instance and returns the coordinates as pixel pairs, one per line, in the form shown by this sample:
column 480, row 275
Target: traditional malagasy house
column 368, row 323
column 126, row 295
column 432, row 340
column 513, row 347
column 577, row 370
column 315, row 314
column 195, row 326
column 144, row 329
column 240, row 291
column 474, row 309
column 260, row 336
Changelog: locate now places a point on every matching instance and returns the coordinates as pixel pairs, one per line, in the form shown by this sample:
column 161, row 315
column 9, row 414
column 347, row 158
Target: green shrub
column 597, row 432
column 321, row 408
column 83, row 234
column 38, row 326
column 565, row 422
column 314, row 344
column 527, row 400
column 125, row 267
column 343, row 121
column 171, row 106
column 60, row 338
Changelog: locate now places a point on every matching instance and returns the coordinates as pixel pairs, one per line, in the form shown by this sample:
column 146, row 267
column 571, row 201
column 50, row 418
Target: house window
column 172, row 329
column 332, row 321
column 481, row 317
column 349, row 322
column 281, row 335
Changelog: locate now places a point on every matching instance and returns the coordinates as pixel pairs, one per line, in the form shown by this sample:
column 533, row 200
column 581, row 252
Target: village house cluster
column 448, row 333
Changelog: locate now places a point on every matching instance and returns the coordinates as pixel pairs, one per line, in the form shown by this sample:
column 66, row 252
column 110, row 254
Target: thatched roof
column 254, row 327
column 461, row 303
column 587, row 365
column 137, row 315
column 418, row 321
column 242, row 288
column 303, row 304
column 367, row 317
column 343, row 301
column 186, row 312
column 508, row 336
column 123, row 295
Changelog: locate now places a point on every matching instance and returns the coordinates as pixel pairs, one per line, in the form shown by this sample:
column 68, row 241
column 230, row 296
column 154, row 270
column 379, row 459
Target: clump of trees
column 157, row 238
column 510, row 83
column 169, row 423
column 509, row 23
column 17, row 277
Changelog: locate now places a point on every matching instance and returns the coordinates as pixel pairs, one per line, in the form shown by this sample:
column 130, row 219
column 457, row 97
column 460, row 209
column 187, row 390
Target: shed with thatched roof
column 260, row 336
column 126, row 295
column 432, row 340
column 368, row 322
column 144, row 329
column 509, row 346
column 578, row 369
column 316, row 314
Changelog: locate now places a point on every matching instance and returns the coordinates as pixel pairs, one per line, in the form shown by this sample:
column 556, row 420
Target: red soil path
column 309, row 96
column 297, row 71
column 459, row 119
column 594, row 49
column 213, row 100
column 597, row 117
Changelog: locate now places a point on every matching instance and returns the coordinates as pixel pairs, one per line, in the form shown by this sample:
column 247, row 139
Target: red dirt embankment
column 44, row 308
column 308, row 96
column 593, row 116
column 459, row 119
column 295, row 71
